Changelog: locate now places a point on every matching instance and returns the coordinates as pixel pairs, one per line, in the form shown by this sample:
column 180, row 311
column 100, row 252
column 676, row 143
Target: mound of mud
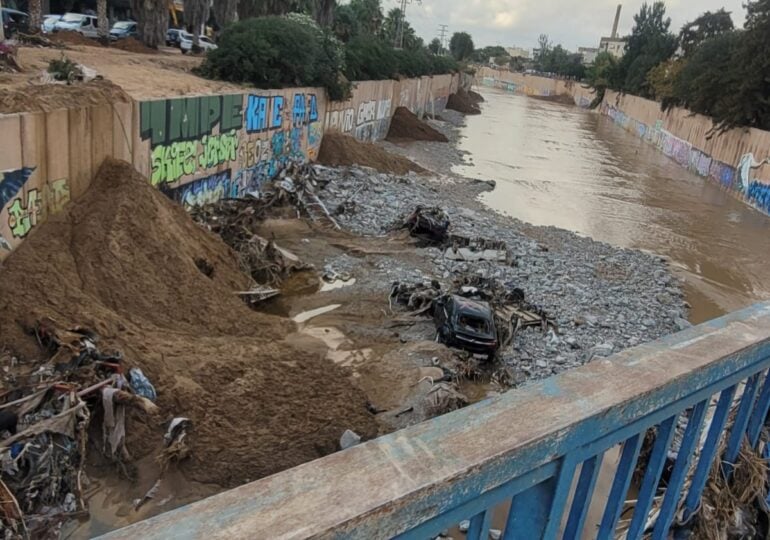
column 339, row 150
column 475, row 97
column 49, row 97
column 69, row 37
column 130, row 44
column 462, row 102
column 405, row 126
column 125, row 261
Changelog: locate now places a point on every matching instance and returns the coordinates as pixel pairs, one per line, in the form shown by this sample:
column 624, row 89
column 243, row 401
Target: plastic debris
column 348, row 439
column 141, row 384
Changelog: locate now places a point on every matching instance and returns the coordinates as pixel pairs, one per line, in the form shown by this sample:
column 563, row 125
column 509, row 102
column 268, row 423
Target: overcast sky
column 572, row 23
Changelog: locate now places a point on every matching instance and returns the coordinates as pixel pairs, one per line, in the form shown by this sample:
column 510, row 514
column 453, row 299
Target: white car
column 186, row 42
column 48, row 23
column 77, row 22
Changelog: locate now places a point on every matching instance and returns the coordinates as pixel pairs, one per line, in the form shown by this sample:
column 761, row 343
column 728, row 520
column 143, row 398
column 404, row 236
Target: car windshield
column 474, row 324
column 72, row 17
column 123, row 25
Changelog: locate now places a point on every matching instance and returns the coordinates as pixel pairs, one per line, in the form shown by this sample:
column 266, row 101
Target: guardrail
column 529, row 449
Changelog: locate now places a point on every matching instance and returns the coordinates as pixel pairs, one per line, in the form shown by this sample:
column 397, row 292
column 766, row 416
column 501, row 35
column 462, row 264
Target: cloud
column 573, row 23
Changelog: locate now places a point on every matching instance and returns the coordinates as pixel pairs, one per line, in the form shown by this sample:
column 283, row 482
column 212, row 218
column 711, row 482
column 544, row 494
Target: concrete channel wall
column 734, row 159
column 197, row 149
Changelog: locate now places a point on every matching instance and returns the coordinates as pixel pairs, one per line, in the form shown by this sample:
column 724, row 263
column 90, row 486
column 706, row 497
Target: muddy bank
column 341, row 150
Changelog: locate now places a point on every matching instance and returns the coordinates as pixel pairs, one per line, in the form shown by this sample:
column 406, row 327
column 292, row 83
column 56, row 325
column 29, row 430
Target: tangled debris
column 8, row 58
column 430, row 225
column 44, row 426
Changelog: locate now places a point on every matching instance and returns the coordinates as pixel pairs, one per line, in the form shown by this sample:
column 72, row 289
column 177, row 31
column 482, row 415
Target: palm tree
column 152, row 21
column 196, row 13
column 35, row 16
column 102, row 22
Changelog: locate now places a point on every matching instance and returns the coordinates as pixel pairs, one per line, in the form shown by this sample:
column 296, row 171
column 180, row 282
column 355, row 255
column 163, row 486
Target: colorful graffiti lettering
column 55, row 195
column 263, row 113
column 175, row 160
column 23, row 217
column 372, row 120
column 12, row 182
column 204, row 191
column 759, row 194
column 186, row 119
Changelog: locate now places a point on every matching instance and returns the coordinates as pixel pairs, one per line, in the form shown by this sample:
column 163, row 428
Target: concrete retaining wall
column 533, row 85
column 197, row 149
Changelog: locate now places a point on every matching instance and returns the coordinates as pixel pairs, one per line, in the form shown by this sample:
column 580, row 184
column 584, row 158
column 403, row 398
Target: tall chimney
column 615, row 24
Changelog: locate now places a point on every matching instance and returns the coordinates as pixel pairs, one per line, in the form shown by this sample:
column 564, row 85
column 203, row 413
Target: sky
column 573, row 23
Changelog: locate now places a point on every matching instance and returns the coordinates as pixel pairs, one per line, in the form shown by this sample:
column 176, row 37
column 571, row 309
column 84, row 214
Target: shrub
column 369, row 58
column 272, row 52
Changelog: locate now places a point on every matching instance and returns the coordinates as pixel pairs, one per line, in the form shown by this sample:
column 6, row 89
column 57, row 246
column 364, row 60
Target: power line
column 398, row 43
column 443, row 29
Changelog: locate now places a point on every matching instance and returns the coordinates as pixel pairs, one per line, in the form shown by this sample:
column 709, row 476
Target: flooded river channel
column 575, row 169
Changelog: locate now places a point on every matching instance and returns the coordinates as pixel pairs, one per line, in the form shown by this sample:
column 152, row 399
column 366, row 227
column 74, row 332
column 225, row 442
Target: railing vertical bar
column 651, row 477
column 739, row 424
column 620, row 485
column 560, row 495
column 709, row 450
column 589, row 471
column 689, row 441
column 529, row 511
column 760, row 412
column 479, row 528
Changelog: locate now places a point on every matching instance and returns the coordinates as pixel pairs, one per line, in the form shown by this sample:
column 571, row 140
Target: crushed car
column 466, row 324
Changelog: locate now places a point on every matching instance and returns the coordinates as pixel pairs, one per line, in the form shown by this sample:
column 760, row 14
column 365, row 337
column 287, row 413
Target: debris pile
column 129, row 263
column 429, row 225
column 8, row 58
column 405, row 126
column 44, row 425
column 343, row 150
column 462, row 102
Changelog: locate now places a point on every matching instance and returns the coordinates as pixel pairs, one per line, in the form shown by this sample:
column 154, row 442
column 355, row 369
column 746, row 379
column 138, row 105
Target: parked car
column 123, row 29
column 48, row 23
column 466, row 324
column 186, row 42
column 172, row 37
column 77, row 22
column 14, row 21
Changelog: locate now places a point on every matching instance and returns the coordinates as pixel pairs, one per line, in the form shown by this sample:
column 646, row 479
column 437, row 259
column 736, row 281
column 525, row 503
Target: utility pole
column 442, row 29
column 399, row 41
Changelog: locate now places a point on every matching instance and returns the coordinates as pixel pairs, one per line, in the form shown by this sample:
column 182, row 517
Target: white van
column 77, row 22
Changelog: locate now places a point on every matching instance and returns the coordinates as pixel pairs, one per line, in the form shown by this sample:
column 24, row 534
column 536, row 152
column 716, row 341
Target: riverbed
column 560, row 165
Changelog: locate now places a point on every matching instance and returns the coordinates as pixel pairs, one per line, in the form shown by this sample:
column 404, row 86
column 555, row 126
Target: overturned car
column 465, row 324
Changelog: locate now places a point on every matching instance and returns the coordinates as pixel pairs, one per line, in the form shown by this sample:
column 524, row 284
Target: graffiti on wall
column 204, row 190
column 372, row 120
column 26, row 204
column 222, row 146
column 341, row 121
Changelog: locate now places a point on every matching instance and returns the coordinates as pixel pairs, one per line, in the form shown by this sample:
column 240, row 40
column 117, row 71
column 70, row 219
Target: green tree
column 435, row 46
column 543, row 50
column 502, row 60
column 483, row 55
column 369, row 15
column 662, row 80
column 649, row 44
column 389, row 31
column 346, row 25
column 602, row 74
column 704, row 27
column 461, row 46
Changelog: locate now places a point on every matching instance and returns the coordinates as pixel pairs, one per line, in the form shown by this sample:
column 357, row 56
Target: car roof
column 466, row 306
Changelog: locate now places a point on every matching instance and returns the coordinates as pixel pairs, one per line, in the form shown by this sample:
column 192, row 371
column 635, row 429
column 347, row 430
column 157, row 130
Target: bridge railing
column 537, row 450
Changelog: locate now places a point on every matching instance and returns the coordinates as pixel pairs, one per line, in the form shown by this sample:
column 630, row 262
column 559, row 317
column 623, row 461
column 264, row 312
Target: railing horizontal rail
column 531, row 441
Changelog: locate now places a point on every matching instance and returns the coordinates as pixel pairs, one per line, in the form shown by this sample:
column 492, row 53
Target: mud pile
column 475, row 96
column 463, row 102
column 341, row 150
column 405, row 126
column 133, row 45
column 70, row 37
column 49, row 97
column 125, row 261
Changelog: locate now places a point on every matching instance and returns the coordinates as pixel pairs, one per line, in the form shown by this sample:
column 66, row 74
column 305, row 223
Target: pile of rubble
column 44, row 425
column 601, row 298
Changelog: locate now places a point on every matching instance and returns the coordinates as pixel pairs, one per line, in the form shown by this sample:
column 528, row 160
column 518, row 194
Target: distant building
column 517, row 52
column 614, row 45
column 588, row 54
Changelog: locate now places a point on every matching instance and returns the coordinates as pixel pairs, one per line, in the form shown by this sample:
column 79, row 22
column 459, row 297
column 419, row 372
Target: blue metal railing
column 537, row 450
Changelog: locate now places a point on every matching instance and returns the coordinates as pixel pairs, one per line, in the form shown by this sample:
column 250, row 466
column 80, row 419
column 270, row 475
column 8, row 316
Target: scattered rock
column 348, row 439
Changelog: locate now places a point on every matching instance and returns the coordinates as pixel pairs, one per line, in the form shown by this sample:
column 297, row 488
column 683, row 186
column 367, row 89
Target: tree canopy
column 461, row 46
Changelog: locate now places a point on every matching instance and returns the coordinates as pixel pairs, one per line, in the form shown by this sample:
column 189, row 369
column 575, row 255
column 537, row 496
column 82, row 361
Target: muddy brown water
column 575, row 169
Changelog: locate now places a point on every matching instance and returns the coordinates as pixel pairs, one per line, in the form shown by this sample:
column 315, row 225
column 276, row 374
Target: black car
column 14, row 21
column 465, row 324
column 173, row 38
